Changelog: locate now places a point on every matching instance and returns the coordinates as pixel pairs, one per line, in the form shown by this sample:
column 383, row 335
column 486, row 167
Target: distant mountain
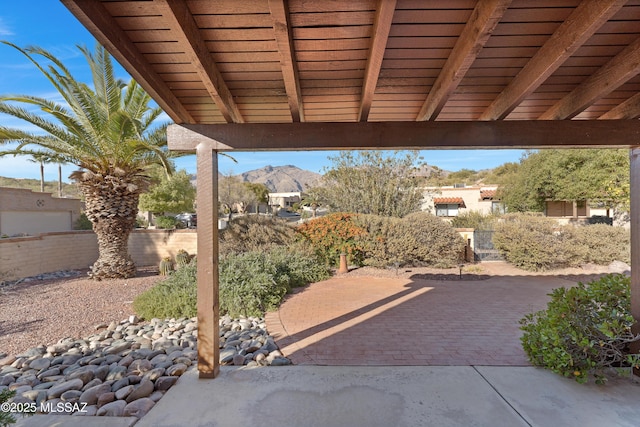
column 283, row 179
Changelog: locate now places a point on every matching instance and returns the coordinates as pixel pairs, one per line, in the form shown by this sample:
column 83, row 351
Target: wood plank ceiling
column 279, row 61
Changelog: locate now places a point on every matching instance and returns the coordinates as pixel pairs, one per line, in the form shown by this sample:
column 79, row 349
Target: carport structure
column 376, row 74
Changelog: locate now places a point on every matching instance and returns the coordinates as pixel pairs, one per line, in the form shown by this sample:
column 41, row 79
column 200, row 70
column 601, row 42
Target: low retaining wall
column 47, row 252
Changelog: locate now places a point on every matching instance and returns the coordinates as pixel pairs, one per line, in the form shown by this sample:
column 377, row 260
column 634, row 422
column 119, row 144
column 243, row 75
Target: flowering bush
column 334, row 234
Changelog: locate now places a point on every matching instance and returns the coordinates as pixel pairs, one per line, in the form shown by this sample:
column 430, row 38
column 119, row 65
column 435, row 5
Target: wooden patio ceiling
column 363, row 61
column 336, row 74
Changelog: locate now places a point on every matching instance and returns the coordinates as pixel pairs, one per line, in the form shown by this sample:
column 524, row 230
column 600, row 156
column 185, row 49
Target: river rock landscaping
column 126, row 367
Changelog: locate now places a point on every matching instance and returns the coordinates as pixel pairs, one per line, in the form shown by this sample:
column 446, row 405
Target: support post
column 208, row 279
column 635, row 242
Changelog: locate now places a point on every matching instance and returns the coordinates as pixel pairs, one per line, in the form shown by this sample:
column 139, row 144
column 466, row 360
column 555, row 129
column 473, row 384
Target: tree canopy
column 570, row 174
column 171, row 193
column 372, row 182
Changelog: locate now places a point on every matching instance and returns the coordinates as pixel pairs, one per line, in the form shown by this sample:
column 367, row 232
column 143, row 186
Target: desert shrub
column 333, row 234
column 173, row 297
column 536, row 243
column 474, row 219
column 6, row 418
column 82, row 223
column 603, row 244
column 166, row 222
column 300, row 264
column 250, row 283
column 254, row 233
column 419, row 239
column 584, row 329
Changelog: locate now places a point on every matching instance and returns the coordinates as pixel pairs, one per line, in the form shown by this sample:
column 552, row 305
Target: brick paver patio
column 396, row 321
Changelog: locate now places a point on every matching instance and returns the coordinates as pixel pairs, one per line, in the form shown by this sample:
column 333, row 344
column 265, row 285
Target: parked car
column 189, row 220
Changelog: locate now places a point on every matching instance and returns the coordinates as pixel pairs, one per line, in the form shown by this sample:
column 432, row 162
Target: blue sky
column 48, row 24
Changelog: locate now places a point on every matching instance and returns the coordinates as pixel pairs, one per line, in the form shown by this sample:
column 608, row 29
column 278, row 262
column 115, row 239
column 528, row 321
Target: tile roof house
column 450, row 201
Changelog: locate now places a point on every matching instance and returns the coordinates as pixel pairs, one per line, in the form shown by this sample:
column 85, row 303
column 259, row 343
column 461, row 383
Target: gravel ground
column 45, row 311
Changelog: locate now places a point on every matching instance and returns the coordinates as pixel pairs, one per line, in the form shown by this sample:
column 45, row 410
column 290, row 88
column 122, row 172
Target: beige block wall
column 48, row 252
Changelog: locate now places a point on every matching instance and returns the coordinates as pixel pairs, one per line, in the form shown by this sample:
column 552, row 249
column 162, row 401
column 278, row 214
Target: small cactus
column 166, row 266
column 182, row 258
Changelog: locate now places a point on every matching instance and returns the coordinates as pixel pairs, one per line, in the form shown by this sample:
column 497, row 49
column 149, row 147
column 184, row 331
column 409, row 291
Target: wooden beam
column 406, row 135
column 207, row 274
column 381, row 28
column 585, row 20
column 483, row 20
column 184, row 27
column 634, row 212
column 95, row 17
column 608, row 78
column 629, row 109
column 284, row 38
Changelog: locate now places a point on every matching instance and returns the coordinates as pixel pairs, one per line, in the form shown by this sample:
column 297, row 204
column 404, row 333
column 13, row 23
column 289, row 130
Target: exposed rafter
column 281, row 27
column 629, row 109
column 380, row 34
column 583, row 22
column 184, row 27
column 107, row 31
column 406, row 135
column 614, row 73
column 476, row 32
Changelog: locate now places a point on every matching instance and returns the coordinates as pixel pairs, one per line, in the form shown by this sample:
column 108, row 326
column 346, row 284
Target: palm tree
column 312, row 200
column 107, row 132
column 42, row 158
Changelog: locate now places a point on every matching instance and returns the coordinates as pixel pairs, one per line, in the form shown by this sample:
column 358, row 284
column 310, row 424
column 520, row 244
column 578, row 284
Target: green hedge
column 584, row 329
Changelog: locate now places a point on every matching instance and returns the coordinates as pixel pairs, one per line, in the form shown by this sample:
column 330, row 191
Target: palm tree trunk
column 41, row 176
column 59, row 180
column 111, row 205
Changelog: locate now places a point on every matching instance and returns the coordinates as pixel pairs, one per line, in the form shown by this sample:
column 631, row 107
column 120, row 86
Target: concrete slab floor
column 46, row 420
column 547, row 399
column 330, row 396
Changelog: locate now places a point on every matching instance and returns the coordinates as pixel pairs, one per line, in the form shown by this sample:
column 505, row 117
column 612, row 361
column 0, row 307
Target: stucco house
column 450, row 201
column 25, row 212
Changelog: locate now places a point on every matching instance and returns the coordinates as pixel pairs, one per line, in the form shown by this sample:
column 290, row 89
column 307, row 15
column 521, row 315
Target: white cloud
column 5, row 30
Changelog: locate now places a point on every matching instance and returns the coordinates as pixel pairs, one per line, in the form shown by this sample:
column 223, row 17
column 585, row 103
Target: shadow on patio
column 413, row 321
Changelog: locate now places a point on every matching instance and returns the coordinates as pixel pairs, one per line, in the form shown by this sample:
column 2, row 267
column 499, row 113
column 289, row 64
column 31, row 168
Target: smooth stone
column 123, row 392
column 117, row 348
column 7, row 360
column 165, row 383
column 102, row 372
column 154, row 374
column 84, row 375
column 117, row 373
column 180, row 368
column 20, row 389
column 123, row 382
column 57, row 390
column 49, row 372
column 94, row 382
column 40, row 364
column 280, row 361
column 157, row 395
column 141, row 366
column 238, row 360
column 144, row 389
column 105, row 398
column 91, row 395
column 70, row 395
column 138, row 408
column 44, row 386
column 112, row 409
column 226, row 355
